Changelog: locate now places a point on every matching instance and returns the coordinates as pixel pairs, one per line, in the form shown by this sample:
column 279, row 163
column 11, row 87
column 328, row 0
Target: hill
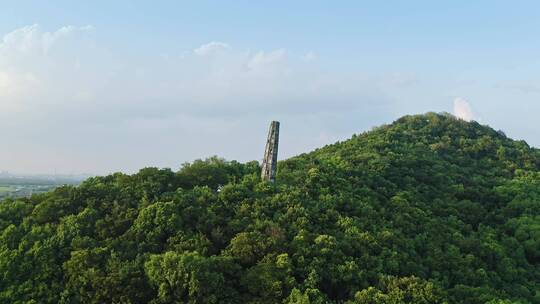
column 428, row 209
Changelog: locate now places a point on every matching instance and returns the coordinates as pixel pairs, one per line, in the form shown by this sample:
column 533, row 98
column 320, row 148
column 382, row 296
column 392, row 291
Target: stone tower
column 269, row 165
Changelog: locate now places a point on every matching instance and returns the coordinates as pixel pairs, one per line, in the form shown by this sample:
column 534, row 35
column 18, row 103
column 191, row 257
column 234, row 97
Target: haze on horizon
column 100, row 87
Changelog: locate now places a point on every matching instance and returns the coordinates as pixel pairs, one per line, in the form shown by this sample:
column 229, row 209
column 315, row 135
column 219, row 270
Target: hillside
column 428, row 209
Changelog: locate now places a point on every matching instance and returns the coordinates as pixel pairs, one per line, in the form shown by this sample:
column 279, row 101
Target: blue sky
column 108, row 86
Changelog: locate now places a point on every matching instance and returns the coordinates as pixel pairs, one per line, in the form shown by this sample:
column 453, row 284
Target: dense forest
column 428, row 209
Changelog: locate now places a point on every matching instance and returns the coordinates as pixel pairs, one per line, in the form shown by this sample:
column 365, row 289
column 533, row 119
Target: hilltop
column 428, row 209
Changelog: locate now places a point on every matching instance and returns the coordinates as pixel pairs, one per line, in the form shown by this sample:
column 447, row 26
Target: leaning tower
column 269, row 165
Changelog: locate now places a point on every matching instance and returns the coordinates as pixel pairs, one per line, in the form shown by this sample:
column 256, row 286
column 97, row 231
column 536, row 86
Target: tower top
column 269, row 165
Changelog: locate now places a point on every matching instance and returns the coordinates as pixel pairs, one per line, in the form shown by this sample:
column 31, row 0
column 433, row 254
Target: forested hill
column 428, row 209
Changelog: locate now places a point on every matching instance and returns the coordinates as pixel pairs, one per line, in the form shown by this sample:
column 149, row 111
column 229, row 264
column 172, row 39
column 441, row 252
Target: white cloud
column 462, row 109
column 50, row 38
column 32, row 39
column 32, row 74
column 211, row 48
column 262, row 59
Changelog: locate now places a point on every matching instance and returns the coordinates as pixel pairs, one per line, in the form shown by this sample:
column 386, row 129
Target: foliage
column 429, row 209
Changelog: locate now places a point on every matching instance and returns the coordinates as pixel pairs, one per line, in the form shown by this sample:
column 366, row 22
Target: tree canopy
column 428, row 209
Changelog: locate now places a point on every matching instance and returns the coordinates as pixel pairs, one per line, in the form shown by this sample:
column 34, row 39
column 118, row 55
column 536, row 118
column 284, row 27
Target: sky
column 104, row 86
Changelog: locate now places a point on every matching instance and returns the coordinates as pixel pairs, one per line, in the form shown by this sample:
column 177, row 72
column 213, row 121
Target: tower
column 269, row 165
